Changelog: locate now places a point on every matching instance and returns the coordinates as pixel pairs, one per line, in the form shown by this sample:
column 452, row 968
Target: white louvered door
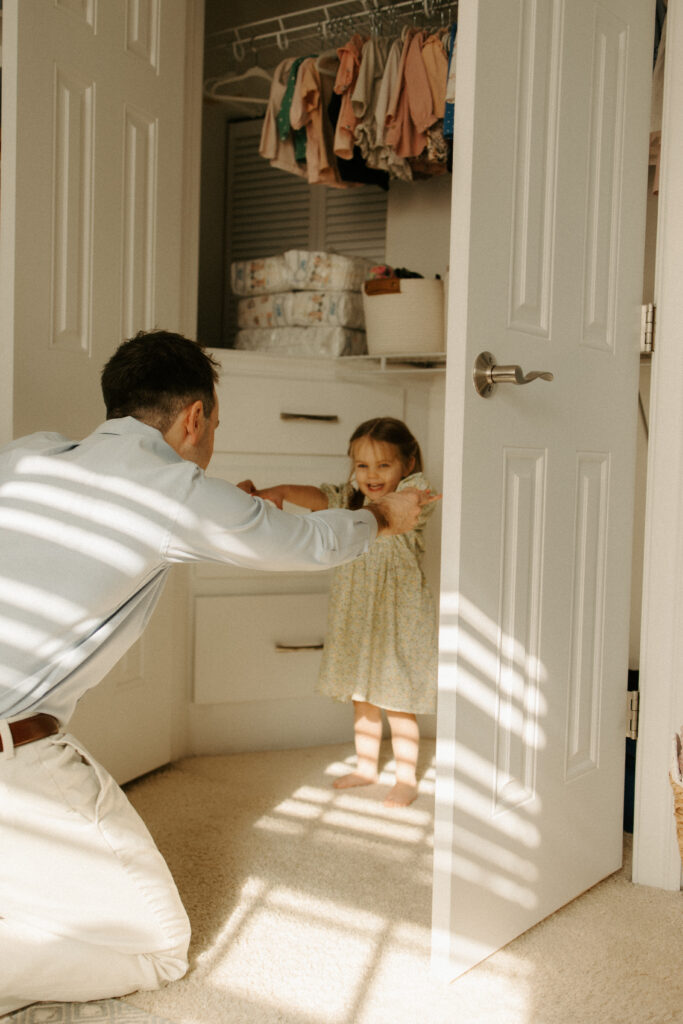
column 92, row 188
column 546, row 272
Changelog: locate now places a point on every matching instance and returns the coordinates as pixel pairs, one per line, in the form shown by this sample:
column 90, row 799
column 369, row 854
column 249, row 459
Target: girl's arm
column 296, row 494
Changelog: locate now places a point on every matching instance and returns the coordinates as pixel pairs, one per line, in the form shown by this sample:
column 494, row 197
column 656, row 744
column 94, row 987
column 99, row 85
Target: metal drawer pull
column 308, row 416
column 285, row 648
column 486, row 374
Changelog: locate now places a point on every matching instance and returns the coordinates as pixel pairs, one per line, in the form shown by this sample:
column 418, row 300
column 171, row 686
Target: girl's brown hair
column 387, row 430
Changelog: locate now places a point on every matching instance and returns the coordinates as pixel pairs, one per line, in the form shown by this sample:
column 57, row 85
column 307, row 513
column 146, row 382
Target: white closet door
column 92, row 160
column 95, row 140
column 549, row 189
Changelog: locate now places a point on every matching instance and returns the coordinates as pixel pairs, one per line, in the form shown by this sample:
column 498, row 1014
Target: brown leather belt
column 27, row 730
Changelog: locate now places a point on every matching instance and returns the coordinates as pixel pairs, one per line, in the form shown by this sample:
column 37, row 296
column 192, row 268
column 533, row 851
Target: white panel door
column 549, row 191
column 92, row 188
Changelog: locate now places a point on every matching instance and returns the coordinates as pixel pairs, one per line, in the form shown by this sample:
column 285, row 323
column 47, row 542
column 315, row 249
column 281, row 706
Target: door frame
column 656, row 859
column 192, row 155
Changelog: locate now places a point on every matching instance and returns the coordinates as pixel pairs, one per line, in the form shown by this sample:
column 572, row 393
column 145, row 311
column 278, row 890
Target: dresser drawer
column 257, row 647
column 285, row 415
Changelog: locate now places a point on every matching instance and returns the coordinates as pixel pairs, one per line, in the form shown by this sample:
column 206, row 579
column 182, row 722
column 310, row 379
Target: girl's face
column 378, row 467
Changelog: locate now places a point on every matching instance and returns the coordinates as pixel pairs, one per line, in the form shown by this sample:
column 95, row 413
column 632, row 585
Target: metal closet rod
column 249, row 35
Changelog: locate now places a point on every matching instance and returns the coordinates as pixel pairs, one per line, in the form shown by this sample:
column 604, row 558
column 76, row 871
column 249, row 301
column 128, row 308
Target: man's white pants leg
column 88, row 908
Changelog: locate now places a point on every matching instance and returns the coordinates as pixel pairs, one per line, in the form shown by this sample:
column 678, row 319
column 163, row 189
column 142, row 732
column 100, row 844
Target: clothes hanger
column 219, row 88
column 255, row 71
column 212, row 91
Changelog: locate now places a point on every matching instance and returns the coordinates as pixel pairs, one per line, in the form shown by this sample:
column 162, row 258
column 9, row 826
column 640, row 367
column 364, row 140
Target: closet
column 512, row 725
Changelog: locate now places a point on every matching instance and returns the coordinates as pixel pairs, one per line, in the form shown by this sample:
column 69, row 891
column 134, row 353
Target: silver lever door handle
column 515, row 375
column 487, row 374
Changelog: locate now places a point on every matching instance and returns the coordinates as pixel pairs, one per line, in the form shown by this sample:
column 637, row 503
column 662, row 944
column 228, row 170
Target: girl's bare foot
column 354, row 779
column 402, row 794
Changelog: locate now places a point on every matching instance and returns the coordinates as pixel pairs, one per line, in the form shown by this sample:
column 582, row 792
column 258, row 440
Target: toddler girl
column 381, row 646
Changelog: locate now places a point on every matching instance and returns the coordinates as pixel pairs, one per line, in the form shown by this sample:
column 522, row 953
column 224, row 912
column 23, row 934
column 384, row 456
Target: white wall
column 418, row 225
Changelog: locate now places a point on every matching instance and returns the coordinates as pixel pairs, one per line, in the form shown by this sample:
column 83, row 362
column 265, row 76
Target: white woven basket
column 406, row 322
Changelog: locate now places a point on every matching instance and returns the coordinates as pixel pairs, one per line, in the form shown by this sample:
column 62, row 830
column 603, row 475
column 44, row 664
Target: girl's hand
column 274, row 494
column 308, row 497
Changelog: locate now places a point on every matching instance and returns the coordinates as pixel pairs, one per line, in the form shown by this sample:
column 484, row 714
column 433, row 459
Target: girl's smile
column 378, row 467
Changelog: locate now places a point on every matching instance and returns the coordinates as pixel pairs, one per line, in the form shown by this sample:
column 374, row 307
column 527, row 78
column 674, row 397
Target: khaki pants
column 88, row 908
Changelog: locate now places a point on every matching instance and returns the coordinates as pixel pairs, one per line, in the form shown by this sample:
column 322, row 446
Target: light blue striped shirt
column 88, row 531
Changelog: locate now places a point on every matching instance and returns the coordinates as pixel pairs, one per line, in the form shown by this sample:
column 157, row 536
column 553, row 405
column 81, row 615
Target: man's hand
column 399, row 511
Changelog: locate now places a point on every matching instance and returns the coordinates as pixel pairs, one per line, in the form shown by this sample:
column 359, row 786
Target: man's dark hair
column 154, row 375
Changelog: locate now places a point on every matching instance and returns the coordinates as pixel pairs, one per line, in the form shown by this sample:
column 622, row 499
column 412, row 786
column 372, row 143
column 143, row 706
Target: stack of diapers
column 301, row 303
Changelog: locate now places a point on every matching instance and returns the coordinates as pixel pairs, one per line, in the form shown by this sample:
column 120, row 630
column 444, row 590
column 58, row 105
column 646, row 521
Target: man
column 88, row 530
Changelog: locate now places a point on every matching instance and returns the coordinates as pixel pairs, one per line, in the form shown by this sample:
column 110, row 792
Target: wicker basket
column 675, row 777
column 404, row 316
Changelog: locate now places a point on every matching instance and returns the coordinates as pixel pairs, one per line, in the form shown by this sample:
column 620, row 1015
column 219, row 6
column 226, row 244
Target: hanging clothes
column 309, row 112
column 278, row 151
column 410, row 111
column 434, row 159
column 436, row 66
column 373, row 110
column 350, row 161
column 449, row 112
column 284, row 125
column 372, row 63
column 355, row 170
column 349, row 64
column 371, row 131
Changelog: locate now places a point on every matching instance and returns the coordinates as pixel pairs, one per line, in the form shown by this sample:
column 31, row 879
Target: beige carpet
column 312, row 906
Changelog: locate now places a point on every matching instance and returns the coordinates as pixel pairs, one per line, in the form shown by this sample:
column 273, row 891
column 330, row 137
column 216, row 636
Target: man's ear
column 185, row 431
column 194, row 421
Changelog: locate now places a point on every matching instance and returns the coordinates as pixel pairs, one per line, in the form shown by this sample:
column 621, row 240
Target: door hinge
column 632, row 706
column 647, row 328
